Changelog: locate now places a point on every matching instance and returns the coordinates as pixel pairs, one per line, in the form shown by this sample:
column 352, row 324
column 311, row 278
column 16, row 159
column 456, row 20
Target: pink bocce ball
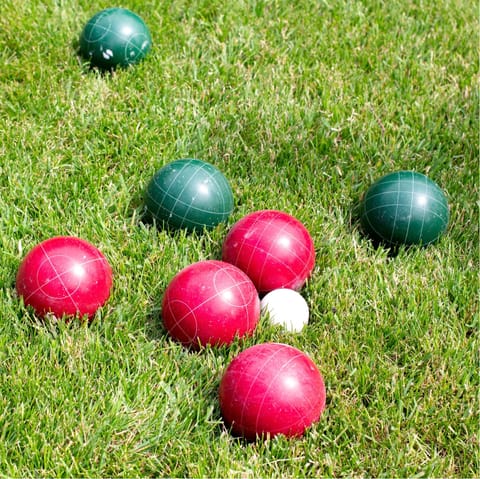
column 210, row 302
column 64, row 276
column 271, row 389
column 273, row 248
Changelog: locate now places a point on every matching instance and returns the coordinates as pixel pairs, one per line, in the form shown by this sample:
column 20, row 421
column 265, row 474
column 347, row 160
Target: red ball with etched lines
column 210, row 302
column 271, row 389
column 273, row 248
column 64, row 276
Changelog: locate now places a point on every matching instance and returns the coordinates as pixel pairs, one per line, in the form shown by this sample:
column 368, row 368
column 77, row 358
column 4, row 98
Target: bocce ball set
column 269, row 388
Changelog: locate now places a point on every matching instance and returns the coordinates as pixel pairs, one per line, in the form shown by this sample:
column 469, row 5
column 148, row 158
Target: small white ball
column 287, row 308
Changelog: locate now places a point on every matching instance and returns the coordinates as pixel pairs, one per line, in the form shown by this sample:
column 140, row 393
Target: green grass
column 302, row 105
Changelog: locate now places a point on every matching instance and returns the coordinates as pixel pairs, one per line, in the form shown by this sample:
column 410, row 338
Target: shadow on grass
column 154, row 327
column 199, row 234
column 32, row 324
column 357, row 224
column 208, row 239
column 86, row 65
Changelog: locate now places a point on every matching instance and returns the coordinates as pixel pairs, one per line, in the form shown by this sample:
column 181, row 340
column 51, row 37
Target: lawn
column 302, row 105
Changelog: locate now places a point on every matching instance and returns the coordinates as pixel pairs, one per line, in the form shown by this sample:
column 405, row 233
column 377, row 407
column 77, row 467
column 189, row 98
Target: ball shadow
column 204, row 236
column 154, row 327
column 358, row 224
column 146, row 218
column 86, row 65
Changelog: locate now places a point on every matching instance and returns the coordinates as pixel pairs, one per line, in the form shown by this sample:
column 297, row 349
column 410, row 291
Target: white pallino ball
column 287, row 308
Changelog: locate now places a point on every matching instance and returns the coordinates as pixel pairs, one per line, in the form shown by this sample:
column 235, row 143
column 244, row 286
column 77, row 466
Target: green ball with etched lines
column 189, row 194
column 405, row 207
column 115, row 37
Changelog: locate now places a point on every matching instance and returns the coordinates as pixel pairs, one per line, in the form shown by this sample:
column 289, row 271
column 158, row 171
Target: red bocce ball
column 64, row 276
column 210, row 302
column 271, row 389
column 273, row 248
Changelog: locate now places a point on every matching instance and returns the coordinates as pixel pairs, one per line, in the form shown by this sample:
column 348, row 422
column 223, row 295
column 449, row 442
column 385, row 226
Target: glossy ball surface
column 271, row 389
column 64, row 276
column 405, row 207
column 210, row 302
column 190, row 194
column 273, row 248
column 286, row 308
column 115, row 37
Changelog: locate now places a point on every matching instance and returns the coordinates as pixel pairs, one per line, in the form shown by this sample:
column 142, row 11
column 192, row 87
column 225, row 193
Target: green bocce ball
column 115, row 37
column 405, row 207
column 190, row 194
